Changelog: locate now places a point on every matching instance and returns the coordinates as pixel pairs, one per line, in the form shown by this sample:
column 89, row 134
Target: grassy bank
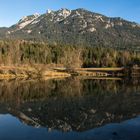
column 39, row 71
column 12, row 72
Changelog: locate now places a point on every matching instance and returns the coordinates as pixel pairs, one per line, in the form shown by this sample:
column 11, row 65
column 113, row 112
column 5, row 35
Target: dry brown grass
column 99, row 78
column 25, row 71
column 55, row 73
column 97, row 74
column 100, row 69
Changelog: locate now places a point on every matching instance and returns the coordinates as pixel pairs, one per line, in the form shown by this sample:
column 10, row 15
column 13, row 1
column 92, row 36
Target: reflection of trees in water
column 71, row 103
column 101, row 87
column 66, row 88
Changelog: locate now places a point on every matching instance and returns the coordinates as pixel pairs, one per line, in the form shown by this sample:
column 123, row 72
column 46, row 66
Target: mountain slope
column 3, row 30
column 76, row 27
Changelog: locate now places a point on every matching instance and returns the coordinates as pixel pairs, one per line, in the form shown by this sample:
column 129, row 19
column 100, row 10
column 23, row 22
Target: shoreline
column 13, row 72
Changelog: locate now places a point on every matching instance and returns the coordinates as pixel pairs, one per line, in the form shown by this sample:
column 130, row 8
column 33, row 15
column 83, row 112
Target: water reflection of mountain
column 70, row 104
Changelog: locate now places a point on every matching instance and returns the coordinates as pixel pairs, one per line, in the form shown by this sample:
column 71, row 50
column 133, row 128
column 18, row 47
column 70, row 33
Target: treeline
column 23, row 52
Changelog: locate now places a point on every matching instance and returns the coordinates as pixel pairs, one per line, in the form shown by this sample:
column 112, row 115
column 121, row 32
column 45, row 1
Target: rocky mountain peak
column 48, row 11
column 64, row 12
column 76, row 27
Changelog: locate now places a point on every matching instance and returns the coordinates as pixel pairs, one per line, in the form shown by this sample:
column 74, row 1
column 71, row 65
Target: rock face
column 78, row 26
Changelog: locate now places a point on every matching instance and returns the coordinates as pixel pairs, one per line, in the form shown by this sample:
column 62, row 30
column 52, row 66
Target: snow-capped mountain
column 78, row 26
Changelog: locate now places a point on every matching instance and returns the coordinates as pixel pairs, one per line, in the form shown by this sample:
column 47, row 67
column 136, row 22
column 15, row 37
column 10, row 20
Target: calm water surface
column 70, row 109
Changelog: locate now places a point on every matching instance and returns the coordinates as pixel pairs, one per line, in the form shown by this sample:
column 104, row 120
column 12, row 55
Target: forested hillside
column 27, row 52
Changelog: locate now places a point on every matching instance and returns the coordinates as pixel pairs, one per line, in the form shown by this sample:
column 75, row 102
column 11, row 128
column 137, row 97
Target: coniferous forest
column 17, row 52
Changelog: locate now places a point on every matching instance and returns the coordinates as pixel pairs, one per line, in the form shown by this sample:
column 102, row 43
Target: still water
column 70, row 109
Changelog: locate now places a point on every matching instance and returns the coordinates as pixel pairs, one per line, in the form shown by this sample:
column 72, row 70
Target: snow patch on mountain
column 119, row 23
column 23, row 24
column 29, row 31
column 107, row 26
column 60, row 15
column 76, row 14
column 99, row 18
column 26, row 20
column 35, row 21
column 93, row 29
column 36, row 15
column 64, row 13
column 48, row 11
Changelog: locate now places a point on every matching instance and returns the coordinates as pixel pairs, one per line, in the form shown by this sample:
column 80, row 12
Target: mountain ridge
column 75, row 27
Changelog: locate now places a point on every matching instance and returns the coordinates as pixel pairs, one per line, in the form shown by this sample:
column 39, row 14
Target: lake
column 74, row 108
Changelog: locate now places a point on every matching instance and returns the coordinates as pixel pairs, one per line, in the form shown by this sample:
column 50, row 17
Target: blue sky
column 12, row 10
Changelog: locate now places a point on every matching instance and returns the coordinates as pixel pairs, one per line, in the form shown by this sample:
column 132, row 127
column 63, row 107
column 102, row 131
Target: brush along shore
column 38, row 71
